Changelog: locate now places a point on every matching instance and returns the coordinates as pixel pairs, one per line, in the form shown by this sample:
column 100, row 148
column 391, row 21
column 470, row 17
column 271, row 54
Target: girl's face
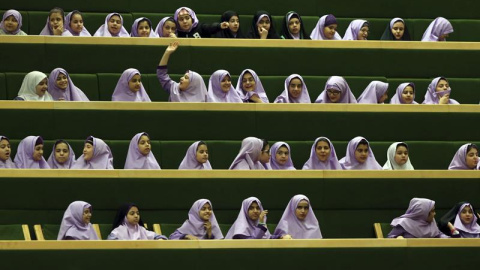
column 226, row 83
column 10, row 23
column 144, row 145
column 205, row 212
column 398, row 29
column 363, row 33
column 383, row 98
column 264, row 23
column 295, row 88
column 248, row 82
column 62, row 81
column 41, row 88
column 282, row 155
column 407, row 95
column 334, row 95
column 361, row 153
column 76, row 23
column 184, row 20
column 114, row 25
column 133, row 216
column 322, row 149
column 472, row 158
column 254, row 211
column 169, row 27
column 88, row 152
column 431, row 215
column 234, row 24
column 265, row 155
column 301, row 211
column 56, row 20
column 143, row 29
column 466, row 216
column 87, row 215
column 62, row 153
column 38, row 152
column 4, row 150
column 442, row 85
column 329, row 31
column 135, row 83
column 294, row 26
column 401, row 155
column 202, row 154
column 184, row 81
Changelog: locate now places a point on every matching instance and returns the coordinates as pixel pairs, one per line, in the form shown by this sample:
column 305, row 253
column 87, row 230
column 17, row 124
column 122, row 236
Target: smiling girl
column 295, row 91
column 220, row 88
column 140, row 155
column 326, row 29
column 250, row 87
column 142, row 27
column 130, row 88
column 357, row 30
column 11, row 23
column 76, row 223
column 96, row 155
column 201, row 223
column 461, row 221
column 336, row 91
column 61, row 87
column 30, row 154
column 34, row 87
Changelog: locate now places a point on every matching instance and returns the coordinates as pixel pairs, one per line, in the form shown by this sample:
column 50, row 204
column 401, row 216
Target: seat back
column 14, row 232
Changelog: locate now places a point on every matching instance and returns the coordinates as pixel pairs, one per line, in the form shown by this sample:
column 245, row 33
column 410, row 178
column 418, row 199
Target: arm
column 166, row 55
column 255, row 98
column 259, row 232
column 210, row 29
column 162, row 71
column 396, row 232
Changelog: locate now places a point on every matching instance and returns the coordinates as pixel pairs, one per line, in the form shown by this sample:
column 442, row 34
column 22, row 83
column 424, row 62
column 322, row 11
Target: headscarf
column 273, row 161
column 459, row 161
column 17, row 16
column 122, row 90
column 159, row 29
column 7, row 164
column 47, row 29
column 317, row 33
column 194, row 225
column 453, row 216
column 52, row 161
column 104, row 32
column 340, row 84
column 414, row 221
column 388, row 35
column 439, row 26
column 272, row 34
column 190, row 162
column 313, row 163
column 71, row 93
column 258, row 87
column 73, row 225
column 353, row 29
column 125, row 231
column 349, row 162
column 243, row 225
column 298, row 229
column 285, row 95
column 215, row 92
column 374, row 91
column 286, row 31
column 24, row 157
column 397, row 98
column 68, row 20
column 102, row 157
column 250, row 153
column 136, row 160
column 195, row 92
column 391, row 164
column 134, row 32
column 27, row 90
column 226, row 33
column 433, row 97
column 191, row 13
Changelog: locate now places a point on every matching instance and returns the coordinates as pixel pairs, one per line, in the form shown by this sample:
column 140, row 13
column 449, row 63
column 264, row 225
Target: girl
column 61, row 87
column 11, row 23
column 191, row 87
column 62, row 156
column 397, row 157
column 130, row 88
column 322, row 156
column 76, row 223
column 140, row 155
column 220, row 88
column 113, row 27
column 281, row 158
column 326, row 29
column 196, row 157
column 438, row 30
column 405, row 94
column 188, row 25
column 357, row 30
column 233, row 30
column 128, row 225
column 295, row 91
column 96, row 155
column 466, row 158
column 34, row 87
column 299, row 221
column 293, row 27
column 375, row 93
column 5, row 151
column 142, row 27
column 417, row 222
column 461, row 221
column 396, row 30
column 30, row 154
column 336, row 91
column 254, row 154
column 75, row 25
column 359, row 156
column 201, row 223
column 250, row 88
column 438, row 92
column 55, row 25
column 166, row 28
column 262, row 26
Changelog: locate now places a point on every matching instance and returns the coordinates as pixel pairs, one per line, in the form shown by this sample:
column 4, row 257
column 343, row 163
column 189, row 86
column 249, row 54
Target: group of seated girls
column 254, row 154
column 184, row 23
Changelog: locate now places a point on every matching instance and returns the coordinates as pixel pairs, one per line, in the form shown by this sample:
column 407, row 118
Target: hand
column 224, row 25
column 478, row 215
column 262, row 216
column 262, row 32
column 191, row 237
column 286, row 237
column 400, row 237
column 172, row 35
column 444, row 99
column 172, row 47
column 58, row 31
column 61, row 99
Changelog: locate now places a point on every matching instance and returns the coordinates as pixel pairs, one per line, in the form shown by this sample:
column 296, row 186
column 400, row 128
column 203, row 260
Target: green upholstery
column 105, row 230
column 3, row 86
column 88, row 84
column 106, row 85
column 386, row 228
column 168, row 229
column 50, row 231
column 11, row 232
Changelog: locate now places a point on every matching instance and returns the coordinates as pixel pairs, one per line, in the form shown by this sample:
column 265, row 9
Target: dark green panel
column 3, row 86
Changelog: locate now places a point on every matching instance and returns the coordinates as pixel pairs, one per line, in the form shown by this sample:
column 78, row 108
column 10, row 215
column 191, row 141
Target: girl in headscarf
column 250, row 88
column 62, row 156
column 30, row 154
column 396, row 30
column 61, row 87
column 96, row 155
column 397, row 157
column 166, row 28
column 375, row 93
column 357, row 30
column 196, row 157
column 405, row 94
column 5, row 152
column 34, row 87
column 280, row 157
column 75, row 25
column 438, row 92
column 359, row 156
column 188, row 25
column 76, row 223
column 326, row 29
column 140, row 155
column 201, row 223
column 466, row 158
column 130, row 88
column 113, row 27
column 322, row 156
column 299, row 220
column 142, row 27
column 254, row 155
column 55, row 25
column 417, row 222
column 295, row 91
column 191, row 87
column 438, row 30
column 220, row 88
column 128, row 225
column 293, row 27
column 11, row 23
column 336, row 91
column 233, row 30
column 461, row 221
column 262, row 26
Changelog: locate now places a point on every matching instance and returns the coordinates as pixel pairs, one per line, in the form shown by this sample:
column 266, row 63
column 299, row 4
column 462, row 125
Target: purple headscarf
column 285, row 95
column 191, row 13
column 414, row 221
column 72, row 223
column 72, row 93
column 134, row 32
column 397, row 99
column 340, row 84
column 28, row 88
column 194, row 225
column 243, row 225
column 439, row 26
column 68, row 20
column 102, row 158
column 313, row 163
column 459, row 161
column 317, row 33
column 136, row 160
column 273, row 161
column 7, row 164
column 159, row 29
column 299, row 229
column 104, row 32
column 374, row 91
column 195, row 92
column 391, row 164
column 190, row 162
column 122, row 90
column 349, row 162
column 353, row 29
column 258, row 87
column 24, row 157
column 472, row 228
column 215, row 92
column 433, row 97
column 48, row 31
column 17, row 16
column 52, row 161
column 249, row 155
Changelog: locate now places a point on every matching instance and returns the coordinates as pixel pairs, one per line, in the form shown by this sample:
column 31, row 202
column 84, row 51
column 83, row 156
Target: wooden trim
column 378, row 230
column 38, row 232
column 26, row 232
column 97, row 230
column 157, row 229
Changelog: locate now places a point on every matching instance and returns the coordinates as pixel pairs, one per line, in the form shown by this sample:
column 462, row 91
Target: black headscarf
column 254, row 29
column 286, row 32
column 226, row 33
column 122, row 213
column 450, row 217
column 388, row 35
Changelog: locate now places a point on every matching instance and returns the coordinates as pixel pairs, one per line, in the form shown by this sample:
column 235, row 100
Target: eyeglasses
column 333, row 92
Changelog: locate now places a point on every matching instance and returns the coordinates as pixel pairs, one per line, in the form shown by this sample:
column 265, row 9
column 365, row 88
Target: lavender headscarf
column 52, row 161
column 68, row 20
column 24, row 157
column 433, row 97
column 439, row 26
column 194, row 225
column 317, row 33
column 285, row 95
column 159, row 29
column 136, row 160
column 102, row 157
column 72, row 223
column 374, row 91
column 48, row 31
column 391, row 164
column 72, row 93
column 104, row 32
column 349, row 162
column 313, row 163
column 134, row 32
column 195, row 92
column 29, row 84
column 397, row 99
column 215, row 92
column 414, row 221
column 122, row 90
column 298, row 229
column 258, row 87
column 190, row 162
column 273, row 161
column 340, row 84
column 249, row 153
column 472, row 228
column 243, row 225
column 17, row 16
column 353, row 29
column 191, row 13
column 7, row 164
column 459, row 161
